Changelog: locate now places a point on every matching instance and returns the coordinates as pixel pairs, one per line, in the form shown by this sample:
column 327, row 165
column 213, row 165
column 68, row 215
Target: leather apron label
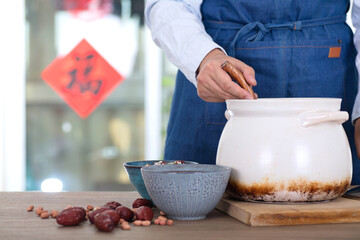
column 334, row 52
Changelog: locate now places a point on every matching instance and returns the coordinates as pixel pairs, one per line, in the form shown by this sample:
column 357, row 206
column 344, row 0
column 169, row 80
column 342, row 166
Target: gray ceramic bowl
column 186, row 192
column 134, row 173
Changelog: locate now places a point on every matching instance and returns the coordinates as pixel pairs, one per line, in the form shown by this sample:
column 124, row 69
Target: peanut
column 54, row 213
column 40, row 212
column 38, row 209
column 162, row 218
column 90, row 207
column 44, row 215
column 145, row 223
column 137, row 223
column 30, row 208
column 125, row 226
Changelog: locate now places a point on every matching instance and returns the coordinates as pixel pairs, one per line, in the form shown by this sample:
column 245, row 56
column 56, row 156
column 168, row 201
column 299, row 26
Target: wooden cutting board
column 342, row 210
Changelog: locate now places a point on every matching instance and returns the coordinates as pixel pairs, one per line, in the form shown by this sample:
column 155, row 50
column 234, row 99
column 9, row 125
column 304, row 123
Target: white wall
column 153, row 76
column 12, row 95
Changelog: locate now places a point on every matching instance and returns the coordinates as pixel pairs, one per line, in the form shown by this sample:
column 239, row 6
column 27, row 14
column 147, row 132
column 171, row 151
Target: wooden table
column 17, row 223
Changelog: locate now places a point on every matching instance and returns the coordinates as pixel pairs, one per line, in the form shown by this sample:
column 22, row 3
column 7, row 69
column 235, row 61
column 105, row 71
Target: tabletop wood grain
column 17, row 223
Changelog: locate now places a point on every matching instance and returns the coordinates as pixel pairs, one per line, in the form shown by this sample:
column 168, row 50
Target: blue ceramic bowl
column 186, row 192
column 133, row 170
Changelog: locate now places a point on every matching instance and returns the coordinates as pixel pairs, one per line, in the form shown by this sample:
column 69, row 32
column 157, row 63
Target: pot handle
column 308, row 119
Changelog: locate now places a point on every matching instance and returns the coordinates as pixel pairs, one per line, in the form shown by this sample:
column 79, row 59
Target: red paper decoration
column 83, row 78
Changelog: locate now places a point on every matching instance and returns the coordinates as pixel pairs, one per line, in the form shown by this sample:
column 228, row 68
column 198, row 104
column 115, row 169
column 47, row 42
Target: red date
column 113, row 204
column 104, row 222
column 142, row 202
column 144, row 213
column 114, row 215
column 71, row 216
column 125, row 213
column 97, row 211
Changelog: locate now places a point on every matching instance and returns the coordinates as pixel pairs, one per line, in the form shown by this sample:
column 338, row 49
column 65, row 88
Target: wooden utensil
column 237, row 76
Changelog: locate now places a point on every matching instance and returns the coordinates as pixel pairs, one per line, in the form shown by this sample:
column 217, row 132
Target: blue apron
column 298, row 49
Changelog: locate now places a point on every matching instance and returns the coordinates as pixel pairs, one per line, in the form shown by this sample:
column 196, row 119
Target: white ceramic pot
column 286, row 149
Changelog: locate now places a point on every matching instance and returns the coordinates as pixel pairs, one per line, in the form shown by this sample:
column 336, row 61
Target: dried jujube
column 97, row 211
column 125, row 213
column 71, row 216
column 114, row 215
column 142, row 202
column 104, row 222
column 113, row 204
column 144, row 213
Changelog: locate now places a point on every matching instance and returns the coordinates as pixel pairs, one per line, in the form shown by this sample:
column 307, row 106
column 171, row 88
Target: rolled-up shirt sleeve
column 176, row 27
column 356, row 22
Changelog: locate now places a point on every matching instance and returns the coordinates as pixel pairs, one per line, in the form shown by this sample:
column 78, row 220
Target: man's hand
column 357, row 137
column 215, row 85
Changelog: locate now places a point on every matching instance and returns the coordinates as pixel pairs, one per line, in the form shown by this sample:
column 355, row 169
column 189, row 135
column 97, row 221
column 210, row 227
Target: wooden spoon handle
column 237, row 76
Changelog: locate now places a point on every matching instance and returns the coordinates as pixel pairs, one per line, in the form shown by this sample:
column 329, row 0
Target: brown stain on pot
column 268, row 191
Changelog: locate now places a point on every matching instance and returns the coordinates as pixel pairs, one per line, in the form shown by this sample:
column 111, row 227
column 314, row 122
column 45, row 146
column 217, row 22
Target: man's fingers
column 226, row 84
column 210, row 91
column 218, row 86
column 247, row 71
column 215, row 85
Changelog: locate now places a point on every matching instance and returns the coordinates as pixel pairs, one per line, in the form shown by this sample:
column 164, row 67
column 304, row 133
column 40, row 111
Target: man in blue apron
column 296, row 48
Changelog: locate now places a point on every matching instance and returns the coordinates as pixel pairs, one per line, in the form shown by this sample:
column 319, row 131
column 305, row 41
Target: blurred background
column 44, row 144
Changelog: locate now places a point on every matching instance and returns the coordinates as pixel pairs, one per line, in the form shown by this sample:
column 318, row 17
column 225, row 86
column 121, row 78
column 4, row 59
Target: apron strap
column 257, row 30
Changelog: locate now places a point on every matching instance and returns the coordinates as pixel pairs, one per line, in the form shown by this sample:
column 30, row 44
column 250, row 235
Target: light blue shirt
column 356, row 22
column 176, row 27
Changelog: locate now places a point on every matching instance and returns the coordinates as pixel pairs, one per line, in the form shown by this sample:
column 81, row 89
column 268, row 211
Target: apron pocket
column 314, row 69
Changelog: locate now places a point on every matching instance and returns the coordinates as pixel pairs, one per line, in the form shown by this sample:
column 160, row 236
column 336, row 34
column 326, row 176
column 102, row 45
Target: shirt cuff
column 195, row 52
